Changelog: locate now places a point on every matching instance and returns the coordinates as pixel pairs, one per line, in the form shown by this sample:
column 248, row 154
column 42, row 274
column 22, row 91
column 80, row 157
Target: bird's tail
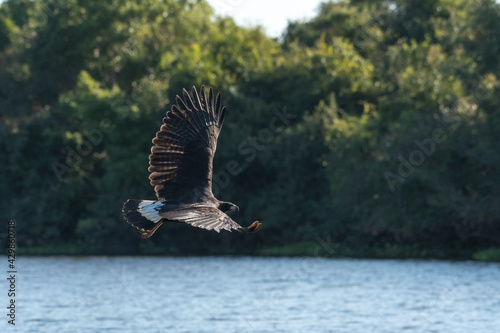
column 144, row 215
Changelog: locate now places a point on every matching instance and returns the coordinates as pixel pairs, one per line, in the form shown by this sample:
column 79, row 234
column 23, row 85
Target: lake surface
column 246, row 294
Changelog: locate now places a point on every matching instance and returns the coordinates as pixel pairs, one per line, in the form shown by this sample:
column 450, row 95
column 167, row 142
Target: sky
column 273, row 15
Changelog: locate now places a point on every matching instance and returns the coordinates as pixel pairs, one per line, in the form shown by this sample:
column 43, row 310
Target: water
column 225, row 294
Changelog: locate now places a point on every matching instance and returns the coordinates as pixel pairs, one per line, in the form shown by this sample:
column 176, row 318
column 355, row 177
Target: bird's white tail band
column 143, row 214
column 150, row 210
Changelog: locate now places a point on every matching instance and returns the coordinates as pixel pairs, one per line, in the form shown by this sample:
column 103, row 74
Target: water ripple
column 224, row 294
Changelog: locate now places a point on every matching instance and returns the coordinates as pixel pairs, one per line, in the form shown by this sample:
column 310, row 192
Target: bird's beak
column 234, row 208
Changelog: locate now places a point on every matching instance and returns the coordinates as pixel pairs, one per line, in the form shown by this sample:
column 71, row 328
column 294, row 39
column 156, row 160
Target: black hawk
column 181, row 163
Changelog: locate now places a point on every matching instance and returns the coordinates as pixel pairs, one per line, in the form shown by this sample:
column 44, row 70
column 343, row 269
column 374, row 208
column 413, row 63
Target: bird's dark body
column 181, row 166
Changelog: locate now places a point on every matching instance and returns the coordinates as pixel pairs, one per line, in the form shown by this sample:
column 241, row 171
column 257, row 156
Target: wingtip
column 222, row 114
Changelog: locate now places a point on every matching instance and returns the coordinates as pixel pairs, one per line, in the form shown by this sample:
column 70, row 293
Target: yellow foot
column 254, row 227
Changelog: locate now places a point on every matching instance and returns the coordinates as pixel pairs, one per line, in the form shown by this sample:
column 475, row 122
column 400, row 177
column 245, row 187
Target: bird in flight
column 181, row 164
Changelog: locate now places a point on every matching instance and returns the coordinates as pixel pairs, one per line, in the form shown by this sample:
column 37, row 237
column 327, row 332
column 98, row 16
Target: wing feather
column 204, row 217
column 187, row 100
column 217, row 107
column 196, row 98
column 203, row 97
column 221, row 117
column 211, row 103
column 181, row 159
column 180, row 103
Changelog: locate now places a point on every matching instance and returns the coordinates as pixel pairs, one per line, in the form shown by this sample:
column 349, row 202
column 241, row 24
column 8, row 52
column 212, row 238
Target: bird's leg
column 254, row 227
column 148, row 233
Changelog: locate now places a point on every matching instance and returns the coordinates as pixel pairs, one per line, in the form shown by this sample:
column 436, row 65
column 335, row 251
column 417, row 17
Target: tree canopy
column 372, row 125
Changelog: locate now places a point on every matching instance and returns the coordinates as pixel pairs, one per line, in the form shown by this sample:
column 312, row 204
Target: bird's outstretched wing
column 208, row 218
column 181, row 159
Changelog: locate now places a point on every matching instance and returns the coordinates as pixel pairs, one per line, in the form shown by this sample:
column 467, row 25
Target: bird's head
column 228, row 207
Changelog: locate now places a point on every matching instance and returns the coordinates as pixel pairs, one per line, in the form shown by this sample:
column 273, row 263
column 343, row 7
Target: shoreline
column 306, row 249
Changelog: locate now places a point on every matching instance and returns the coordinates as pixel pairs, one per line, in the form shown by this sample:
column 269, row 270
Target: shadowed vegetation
column 374, row 124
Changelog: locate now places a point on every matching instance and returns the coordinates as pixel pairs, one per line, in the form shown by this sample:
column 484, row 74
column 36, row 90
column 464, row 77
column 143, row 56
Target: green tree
column 375, row 123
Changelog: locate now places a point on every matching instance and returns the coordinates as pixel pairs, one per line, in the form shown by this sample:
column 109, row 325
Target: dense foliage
column 373, row 125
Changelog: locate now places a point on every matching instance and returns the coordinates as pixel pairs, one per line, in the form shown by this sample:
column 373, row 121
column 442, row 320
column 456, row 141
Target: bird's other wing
column 208, row 218
column 181, row 159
